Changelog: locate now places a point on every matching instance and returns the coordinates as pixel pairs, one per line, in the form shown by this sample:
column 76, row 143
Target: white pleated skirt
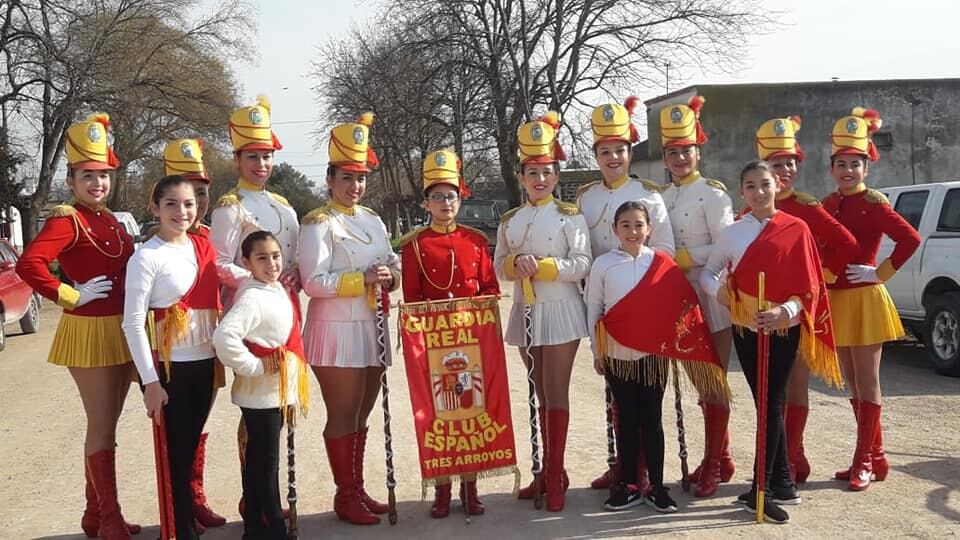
column 716, row 315
column 349, row 344
column 554, row 323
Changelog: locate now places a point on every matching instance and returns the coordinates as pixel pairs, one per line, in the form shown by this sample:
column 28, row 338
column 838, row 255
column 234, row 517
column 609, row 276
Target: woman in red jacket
column 92, row 249
column 863, row 313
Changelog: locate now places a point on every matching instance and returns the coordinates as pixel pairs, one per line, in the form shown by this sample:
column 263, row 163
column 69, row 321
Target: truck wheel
column 30, row 323
column 942, row 335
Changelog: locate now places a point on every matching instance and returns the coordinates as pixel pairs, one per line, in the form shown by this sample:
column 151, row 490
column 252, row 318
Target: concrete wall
column 922, row 116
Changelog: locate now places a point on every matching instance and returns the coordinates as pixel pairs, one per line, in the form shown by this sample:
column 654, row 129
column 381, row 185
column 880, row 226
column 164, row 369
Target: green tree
column 296, row 187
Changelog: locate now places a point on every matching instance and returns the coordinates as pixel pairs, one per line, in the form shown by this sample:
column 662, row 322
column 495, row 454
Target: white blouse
column 614, row 274
column 698, row 212
column 729, row 248
column 599, row 203
column 334, row 248
column 263, row 314
column 158, row 275
column 544, row 231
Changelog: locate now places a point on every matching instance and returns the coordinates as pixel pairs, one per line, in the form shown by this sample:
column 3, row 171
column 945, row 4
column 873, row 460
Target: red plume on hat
column 463, row 188
column 552, row 119
column 873, row 120
column 630, row 105
column 797, row 122
column 695, row 104
column 366, row 119
column 104, row 120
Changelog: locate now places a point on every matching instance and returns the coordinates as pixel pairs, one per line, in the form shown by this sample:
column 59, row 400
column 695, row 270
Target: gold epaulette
column 230, row 198
column 279, row 198
column 407, row 238
column 509, row 214
column 567, row 209
column 62, row 210
column 806, row 198
column 317, row 215
column 583, row 189
column 716, row 184
column 482, row 234
column 875, row 197
column 651, row 186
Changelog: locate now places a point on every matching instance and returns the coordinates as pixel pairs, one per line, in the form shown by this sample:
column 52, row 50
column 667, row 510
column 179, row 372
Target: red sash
column 786, row 252
column 662, row 315
column 294, row 342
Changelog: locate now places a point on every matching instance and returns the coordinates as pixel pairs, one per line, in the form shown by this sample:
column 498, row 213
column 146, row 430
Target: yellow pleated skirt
column 89, row 342
column 864, row 316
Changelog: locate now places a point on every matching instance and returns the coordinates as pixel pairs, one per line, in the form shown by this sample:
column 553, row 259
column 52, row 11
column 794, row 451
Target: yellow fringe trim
column 281, row 360
column 489, row 473
column 174, row 328
column 709, row 380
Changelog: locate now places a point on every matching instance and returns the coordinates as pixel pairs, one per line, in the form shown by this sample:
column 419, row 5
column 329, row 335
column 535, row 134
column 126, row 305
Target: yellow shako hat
column 350, row 145
column 184, row 157
column 538, row 141
column 612, row 122
column 444, row 167
column 88, row 144
column 250, row 128
column 680, row 124
column 853, row 134
column 777, row 137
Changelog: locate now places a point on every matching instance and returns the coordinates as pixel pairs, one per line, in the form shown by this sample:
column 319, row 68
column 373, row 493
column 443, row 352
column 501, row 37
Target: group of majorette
column 676, row 251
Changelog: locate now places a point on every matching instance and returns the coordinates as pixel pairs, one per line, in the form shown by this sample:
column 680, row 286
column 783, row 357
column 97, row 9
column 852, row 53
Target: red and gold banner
column 456, row 370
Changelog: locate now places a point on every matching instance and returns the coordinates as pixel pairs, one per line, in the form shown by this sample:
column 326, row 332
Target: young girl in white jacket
column 259, row 338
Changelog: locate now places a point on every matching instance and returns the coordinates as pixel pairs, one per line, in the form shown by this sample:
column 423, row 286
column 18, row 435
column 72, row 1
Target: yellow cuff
column 547, row 270
column 829, row 277
column 683, row 259
column 351, row 284
column 508, row 267
column 886, row 270
column 67, row 296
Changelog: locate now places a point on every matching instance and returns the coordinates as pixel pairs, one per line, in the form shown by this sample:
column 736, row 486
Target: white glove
column 862, row 273
column 94, row 289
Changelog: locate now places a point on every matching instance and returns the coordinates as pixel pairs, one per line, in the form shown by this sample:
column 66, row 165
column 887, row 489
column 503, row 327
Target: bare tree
column 65, row 58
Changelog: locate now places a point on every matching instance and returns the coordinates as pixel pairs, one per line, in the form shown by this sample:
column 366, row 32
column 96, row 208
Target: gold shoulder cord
column 416, row 252
column 86, row 233
column 600, row 217
column 349, row 233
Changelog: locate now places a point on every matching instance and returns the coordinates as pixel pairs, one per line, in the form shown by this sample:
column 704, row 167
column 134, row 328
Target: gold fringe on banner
column 489, row 473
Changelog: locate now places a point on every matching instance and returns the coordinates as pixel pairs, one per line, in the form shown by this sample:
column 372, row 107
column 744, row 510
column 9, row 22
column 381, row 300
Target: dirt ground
column 42, row 427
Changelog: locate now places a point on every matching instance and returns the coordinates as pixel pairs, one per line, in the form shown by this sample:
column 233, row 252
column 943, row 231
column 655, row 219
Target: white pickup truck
column 926, row 290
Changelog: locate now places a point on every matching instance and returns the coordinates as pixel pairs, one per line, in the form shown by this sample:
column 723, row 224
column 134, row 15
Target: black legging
column 783, row 352
column 640, row 408
column 189, row 391
column 263, row 517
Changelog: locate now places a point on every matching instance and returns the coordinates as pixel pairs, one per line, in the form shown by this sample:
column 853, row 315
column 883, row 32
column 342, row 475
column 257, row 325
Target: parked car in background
column 18, row 302
column 130, row 225
column 926, row 290
column 481, row 214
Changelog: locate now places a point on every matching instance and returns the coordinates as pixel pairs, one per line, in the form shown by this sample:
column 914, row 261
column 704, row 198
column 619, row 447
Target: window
column 950, row 213
column 910, row 205
column 883, row 140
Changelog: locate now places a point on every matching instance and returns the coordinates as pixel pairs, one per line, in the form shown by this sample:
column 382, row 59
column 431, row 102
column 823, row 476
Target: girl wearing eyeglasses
column 447, row 260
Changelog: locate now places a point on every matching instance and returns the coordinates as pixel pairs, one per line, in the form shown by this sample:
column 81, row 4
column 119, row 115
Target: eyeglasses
column 440, row 198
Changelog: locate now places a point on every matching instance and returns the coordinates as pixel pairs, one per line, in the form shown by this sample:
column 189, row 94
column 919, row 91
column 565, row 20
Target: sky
column 810, row 40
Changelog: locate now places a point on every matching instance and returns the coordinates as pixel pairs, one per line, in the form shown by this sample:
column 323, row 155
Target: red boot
column 610, row 476
column 527, row 493
column 861, row 471
column 557, row 422
column 201, row 511
column 727, row 465
column 469, row 488
column 103, row 472
column 441, row 501
column 795, row 420
column 844, row 474
column 373, row 505
column 717, row 417
column 878, row 456
column 90, row 522
column 347, row 504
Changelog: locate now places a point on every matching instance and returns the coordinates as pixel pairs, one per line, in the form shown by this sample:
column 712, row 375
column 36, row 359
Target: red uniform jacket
column 868, row 216
column 88, row 243
column 834, row 242
column 441, row 265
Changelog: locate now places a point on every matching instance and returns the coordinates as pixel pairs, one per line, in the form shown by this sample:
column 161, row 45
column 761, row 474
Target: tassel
column 176, row 325
column 264, row 102
column 303, row 387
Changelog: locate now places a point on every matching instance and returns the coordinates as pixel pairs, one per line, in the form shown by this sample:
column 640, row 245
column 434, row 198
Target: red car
column 18, row 302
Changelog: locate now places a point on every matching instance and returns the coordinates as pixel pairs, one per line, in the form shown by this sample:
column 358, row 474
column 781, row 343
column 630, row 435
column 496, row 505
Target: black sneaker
column 622, row 497
column 659, row 499
column 744, row 498
column 784, row 495
column 771, row 511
